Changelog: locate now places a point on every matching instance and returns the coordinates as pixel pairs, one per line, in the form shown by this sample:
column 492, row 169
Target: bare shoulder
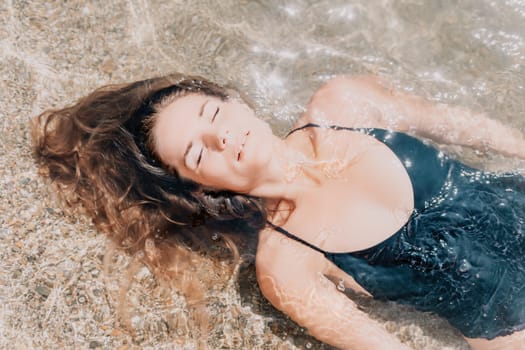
column 351, row 101
column 281, row 262
column 276, row 253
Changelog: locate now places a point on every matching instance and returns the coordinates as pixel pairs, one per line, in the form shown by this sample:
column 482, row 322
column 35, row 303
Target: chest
column 363, row 197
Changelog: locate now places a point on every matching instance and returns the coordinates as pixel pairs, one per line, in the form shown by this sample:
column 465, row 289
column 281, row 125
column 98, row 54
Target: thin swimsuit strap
column 333, row 127
column 295, row 238
column 279, row 228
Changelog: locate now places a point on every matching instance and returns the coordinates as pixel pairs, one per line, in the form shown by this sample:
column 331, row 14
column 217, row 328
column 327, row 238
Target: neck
column 287, row 175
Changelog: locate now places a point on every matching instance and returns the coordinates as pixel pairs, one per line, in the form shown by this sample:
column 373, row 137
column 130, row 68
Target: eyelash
column 215, row 115
column 200, row 156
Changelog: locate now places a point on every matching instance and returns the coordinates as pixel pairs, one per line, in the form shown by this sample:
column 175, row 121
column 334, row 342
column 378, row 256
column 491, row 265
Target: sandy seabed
column 53, row 292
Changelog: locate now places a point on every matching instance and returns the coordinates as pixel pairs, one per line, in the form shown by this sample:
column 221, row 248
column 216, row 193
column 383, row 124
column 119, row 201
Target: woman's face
column 220, row 144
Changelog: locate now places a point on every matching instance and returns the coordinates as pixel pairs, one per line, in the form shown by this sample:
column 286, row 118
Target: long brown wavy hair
column 99, row 154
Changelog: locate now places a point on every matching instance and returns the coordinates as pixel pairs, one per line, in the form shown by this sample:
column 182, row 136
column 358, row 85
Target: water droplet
column 341, row 286
column 464, row 266
column 440, row 298
column 308, row 345
column 323, row 281
column 215, row 236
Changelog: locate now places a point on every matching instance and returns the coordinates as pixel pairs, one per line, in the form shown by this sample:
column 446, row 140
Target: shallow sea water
column 52, row 293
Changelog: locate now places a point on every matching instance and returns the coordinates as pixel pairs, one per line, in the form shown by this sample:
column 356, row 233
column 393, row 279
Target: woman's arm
column 455, row 125
column 367, row 102
column 314, row 302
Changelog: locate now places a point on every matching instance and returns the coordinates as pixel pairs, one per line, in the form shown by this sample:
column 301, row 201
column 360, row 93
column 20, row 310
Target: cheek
column 222, row 176
column 218, row 173
column 261, row 152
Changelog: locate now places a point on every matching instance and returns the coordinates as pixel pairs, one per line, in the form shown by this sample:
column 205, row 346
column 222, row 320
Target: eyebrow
column 201, row 111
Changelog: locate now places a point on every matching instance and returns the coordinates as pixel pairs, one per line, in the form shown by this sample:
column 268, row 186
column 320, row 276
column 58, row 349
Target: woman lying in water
column 347, row 200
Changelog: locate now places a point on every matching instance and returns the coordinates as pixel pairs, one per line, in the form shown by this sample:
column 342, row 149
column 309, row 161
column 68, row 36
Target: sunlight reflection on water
column 470, row 53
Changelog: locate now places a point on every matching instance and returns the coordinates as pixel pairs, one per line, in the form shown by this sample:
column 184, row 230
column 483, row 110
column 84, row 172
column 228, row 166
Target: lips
column 241, row 146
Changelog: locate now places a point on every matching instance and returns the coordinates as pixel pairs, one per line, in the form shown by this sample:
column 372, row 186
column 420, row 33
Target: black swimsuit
column 461, row 254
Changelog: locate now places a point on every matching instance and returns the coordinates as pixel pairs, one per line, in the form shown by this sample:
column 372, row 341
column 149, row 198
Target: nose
column 217, row 138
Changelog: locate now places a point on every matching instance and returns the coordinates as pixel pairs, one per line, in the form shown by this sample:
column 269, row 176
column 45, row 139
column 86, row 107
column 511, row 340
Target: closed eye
column 215, row 115
column 200, row 156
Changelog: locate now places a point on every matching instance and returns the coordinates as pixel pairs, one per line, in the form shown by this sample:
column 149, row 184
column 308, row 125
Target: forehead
column 174, row 126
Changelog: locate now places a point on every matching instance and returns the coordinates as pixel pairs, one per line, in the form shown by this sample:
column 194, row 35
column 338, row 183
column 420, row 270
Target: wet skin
column 310, row 171
column 221, row 144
